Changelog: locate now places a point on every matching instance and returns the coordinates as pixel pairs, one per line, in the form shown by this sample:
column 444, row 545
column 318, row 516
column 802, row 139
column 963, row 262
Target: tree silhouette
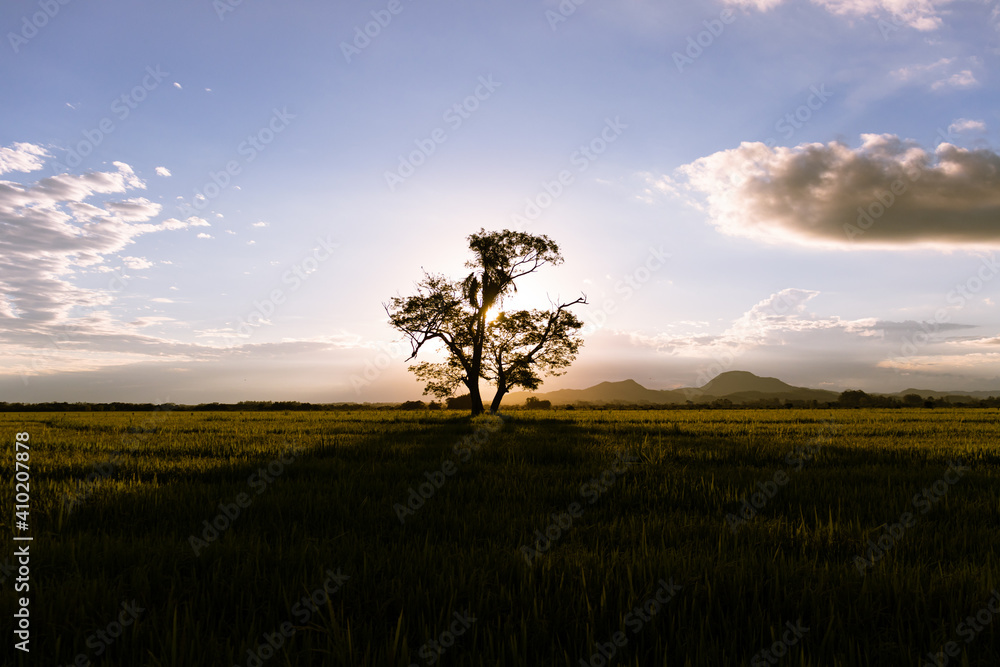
column 535, row 403
column 514, row 349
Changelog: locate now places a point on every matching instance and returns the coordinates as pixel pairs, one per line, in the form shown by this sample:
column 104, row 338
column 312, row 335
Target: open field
column 638, row 505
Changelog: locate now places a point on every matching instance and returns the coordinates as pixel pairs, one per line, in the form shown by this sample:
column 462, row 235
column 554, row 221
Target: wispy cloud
column 918, row 14
column 136, row 263
column 763, row 324
column 963, row 79
column 52, row 231
column 936, row 75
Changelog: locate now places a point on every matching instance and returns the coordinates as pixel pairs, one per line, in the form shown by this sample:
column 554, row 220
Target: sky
column 212, row 201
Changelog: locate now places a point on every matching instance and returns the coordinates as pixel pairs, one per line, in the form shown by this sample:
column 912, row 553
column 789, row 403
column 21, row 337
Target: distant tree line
column 247, row 406
column 849, row 399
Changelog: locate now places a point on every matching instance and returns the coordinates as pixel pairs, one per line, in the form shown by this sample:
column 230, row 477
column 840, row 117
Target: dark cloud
column 887, row 193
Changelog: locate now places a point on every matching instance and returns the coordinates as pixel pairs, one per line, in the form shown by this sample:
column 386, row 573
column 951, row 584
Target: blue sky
column 205, row 201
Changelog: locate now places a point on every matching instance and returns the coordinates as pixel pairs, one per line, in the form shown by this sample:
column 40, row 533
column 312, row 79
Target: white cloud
column 657, row 184
column 134, row 210
column 50, row 232
column 782, row 311
column 963, row 79
column 966, row 125
column 162, row 171
column 935, row 75
column 887, row 193
column 917, row 14
column 912, row 72
column 178, row 86
column 140, row 322
column 779, row 329
column 21, row 157
column 136, row 263
column 205, row 236
column 260, row 224
column 759, row 5
column 174, row 223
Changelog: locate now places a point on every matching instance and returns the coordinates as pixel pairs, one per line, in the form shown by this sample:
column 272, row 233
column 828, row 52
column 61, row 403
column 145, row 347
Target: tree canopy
column 511, row 350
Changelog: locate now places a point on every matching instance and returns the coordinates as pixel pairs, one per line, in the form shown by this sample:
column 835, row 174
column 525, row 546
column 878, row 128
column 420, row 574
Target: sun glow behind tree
column 511, row 348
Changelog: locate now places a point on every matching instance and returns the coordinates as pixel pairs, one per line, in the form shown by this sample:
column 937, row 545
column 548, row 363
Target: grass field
column 651, row 558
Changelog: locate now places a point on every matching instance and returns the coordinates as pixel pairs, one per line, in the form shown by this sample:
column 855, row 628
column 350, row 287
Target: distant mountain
column 626, row 391
column 736, row 382
column 736, row 386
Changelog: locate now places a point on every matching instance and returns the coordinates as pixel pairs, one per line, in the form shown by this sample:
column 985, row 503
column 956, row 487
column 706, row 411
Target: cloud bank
column 53, row 232
column 886, row 193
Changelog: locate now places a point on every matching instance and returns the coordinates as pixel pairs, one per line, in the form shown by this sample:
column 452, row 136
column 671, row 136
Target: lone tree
column 511, row 350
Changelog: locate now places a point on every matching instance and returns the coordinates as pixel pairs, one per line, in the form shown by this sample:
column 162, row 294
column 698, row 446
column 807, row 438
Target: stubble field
column 673, row 537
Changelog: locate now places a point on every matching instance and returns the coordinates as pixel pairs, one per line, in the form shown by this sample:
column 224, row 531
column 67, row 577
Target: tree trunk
column 477, row 364
column 477, row 399
column 495, row 406
column 502, row 388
